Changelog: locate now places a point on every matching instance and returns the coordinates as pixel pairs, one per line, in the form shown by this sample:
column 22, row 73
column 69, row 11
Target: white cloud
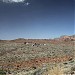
column 10, row 1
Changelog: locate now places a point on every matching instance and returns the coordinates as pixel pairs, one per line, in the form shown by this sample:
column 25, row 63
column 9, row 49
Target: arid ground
column 38, row 56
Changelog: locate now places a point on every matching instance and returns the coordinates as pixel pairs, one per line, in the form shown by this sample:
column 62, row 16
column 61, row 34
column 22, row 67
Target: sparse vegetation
column 26, row 57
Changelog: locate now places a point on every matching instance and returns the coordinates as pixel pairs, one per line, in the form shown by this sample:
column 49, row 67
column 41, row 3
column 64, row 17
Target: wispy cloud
column 11, row 1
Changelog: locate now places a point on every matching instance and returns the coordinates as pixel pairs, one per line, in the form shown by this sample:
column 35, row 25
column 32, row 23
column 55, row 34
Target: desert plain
column 38, row 56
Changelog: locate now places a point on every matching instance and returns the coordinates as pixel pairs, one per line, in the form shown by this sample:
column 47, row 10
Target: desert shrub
column 71, row 61
column 2, row 72
column 37, row 72
column 34, row 67
column 73, row 68
column 65, row 63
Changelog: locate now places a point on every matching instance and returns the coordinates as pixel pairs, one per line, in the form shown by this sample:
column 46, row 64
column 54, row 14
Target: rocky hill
column 68, row 38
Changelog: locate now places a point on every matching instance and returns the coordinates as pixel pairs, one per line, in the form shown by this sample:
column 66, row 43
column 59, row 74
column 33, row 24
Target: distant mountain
column 61, row 38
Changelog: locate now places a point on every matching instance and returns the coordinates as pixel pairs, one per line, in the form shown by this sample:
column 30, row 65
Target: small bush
column 73, row 68
column 2, row 72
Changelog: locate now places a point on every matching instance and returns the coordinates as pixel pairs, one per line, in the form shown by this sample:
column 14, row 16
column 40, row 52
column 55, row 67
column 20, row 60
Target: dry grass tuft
column 56, row 70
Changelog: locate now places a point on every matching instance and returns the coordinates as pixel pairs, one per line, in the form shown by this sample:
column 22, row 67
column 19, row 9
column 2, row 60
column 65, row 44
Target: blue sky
column 40, row 19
